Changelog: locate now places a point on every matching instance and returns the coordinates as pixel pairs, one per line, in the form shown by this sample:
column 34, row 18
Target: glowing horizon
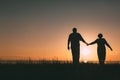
column 40, row 29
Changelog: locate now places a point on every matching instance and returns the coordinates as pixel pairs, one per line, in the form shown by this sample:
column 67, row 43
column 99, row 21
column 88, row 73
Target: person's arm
column 68, row 42
column 82, row 39
column 108, row 45
column 93, row 42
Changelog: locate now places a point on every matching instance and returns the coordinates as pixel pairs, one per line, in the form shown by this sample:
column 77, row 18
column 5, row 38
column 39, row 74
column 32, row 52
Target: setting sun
column 86, row 51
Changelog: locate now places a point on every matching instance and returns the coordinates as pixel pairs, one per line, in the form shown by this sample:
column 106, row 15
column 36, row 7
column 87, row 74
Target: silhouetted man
column 74, row 39
column 101, row 50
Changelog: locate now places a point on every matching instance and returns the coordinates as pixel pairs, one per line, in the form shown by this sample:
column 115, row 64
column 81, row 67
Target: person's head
column 100, row 35
column 74, row 30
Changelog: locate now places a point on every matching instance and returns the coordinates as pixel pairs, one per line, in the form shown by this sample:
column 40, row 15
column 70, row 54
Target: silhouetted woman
column 101, row 50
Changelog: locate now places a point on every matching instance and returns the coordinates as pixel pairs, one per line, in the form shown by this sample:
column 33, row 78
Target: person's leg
column 75, row 55
column 101, row 57
column 76, row 58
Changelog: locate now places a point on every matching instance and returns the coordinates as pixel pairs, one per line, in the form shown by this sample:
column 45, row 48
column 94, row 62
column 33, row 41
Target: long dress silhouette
column 74, row 39
column 101, row 49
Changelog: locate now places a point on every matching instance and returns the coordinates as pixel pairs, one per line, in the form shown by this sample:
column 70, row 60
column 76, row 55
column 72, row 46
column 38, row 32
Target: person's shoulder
column 78, row 34
column 70, row 34
column 97, row 39
column 104, row 39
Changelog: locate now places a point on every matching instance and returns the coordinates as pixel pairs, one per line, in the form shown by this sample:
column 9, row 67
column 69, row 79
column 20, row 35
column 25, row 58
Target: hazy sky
column 40, row 28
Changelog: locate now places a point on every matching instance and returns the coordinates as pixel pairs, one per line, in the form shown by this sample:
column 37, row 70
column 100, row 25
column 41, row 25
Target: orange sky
column 40, row 29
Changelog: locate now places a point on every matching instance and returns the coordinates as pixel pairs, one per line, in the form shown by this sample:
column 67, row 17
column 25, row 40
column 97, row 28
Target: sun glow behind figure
column 85, row 52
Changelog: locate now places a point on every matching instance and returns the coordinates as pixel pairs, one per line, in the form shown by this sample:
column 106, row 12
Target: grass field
column 55, row 71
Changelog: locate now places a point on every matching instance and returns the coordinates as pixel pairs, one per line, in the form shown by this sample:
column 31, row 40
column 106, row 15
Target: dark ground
column 59, row 72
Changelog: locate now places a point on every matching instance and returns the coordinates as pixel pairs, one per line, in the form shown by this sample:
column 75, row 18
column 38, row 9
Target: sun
column 85, row 51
